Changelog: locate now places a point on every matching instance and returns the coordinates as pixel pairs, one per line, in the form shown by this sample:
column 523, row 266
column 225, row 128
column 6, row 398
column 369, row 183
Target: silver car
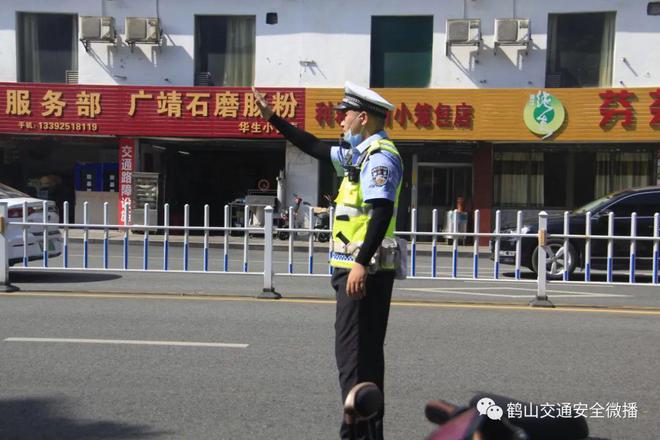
column 34, row 250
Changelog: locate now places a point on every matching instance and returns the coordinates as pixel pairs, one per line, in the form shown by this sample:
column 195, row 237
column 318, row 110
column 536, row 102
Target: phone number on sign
column 61, row 126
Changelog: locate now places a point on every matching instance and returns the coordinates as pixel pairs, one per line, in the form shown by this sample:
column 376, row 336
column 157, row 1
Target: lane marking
column 578, row 308
column 559, row 293
column 130, row 342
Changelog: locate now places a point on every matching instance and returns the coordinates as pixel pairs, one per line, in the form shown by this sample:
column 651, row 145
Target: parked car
column 645, row 202
column 14, row 233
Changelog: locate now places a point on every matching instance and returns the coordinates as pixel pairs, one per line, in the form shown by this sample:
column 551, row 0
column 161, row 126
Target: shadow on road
column 36, row 418
column 60, row 277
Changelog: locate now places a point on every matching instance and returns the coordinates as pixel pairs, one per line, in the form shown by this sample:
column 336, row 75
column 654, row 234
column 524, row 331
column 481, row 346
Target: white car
column 14, row 233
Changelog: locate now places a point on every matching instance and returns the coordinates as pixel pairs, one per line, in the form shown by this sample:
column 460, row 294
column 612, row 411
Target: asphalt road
column 282, row 382
column 300, row 284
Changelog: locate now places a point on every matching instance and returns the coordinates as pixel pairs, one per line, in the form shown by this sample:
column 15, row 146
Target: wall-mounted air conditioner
column 143, row 30
column 513, row 32
column 97, row 29
column 463, row 32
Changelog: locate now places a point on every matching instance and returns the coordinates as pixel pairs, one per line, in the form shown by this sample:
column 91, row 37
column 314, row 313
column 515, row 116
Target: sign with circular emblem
column 544, row 114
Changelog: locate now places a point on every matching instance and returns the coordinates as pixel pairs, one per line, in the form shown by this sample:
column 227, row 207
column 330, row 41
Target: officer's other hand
column 355, row 285
column 260, row 99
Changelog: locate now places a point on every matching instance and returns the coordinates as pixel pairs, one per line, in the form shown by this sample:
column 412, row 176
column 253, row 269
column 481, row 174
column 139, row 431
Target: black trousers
column 360, row 328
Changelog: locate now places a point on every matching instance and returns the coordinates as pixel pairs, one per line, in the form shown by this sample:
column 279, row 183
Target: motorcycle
column 483, row 419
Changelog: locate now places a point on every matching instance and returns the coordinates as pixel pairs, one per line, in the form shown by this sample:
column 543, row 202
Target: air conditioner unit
column 463, row 32
column 97, row 29
column 204, row 79
column 71, row 76
column 143, row 30
column 512, row 32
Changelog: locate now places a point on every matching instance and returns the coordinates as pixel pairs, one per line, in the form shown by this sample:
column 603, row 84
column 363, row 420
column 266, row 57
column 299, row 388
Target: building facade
column 507, row 105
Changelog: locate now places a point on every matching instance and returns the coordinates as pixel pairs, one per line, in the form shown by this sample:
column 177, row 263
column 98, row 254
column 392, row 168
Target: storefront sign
column 566, row 115
column 544, row 114
column 143, row 111
column 126, row 168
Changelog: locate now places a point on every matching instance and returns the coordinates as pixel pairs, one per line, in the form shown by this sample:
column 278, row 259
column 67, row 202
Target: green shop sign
column 544, row 114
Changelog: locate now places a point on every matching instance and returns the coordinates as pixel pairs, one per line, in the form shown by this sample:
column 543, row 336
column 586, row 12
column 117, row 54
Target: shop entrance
column 439, row 185
column 216, row 175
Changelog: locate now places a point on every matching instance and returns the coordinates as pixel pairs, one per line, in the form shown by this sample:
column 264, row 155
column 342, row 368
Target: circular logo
column 544, row 114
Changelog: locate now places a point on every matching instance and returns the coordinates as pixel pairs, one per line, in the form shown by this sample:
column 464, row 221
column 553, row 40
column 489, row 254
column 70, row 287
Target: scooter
column 321, row 220
column 483, row 419
column 298, row 218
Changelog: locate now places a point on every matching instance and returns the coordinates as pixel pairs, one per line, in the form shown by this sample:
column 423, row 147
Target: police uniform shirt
column 381, row 173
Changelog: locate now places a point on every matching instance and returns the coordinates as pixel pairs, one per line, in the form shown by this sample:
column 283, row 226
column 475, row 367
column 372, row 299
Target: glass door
column 439, row 185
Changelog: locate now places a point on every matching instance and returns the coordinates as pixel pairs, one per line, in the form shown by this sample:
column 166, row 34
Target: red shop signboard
column 35, row 108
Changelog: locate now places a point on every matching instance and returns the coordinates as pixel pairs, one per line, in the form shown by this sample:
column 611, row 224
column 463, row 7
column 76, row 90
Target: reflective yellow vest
column 352, row 213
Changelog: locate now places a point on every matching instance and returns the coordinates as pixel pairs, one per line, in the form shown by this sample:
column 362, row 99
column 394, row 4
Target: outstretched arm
column 307, row 142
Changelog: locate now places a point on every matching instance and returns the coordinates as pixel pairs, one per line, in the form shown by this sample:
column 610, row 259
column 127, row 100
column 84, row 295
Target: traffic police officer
column 365, row 214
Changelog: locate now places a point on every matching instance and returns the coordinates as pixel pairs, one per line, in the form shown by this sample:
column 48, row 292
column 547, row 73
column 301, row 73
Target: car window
column 645, row 205
column 7, row 192
column 591, row 206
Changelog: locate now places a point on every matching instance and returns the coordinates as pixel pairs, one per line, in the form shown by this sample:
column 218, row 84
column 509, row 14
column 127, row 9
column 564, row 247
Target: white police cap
column 361, row 98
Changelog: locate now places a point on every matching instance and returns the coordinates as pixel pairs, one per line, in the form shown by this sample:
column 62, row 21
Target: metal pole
column 633, row 246
column 25, row 235
column 206, row 237
column 268, row 291
column 290, row 247
column 332, row 218
column 475, row 250
column 454, row 245
column 541, row 299
column 126, row 223
column 434, row 245
column 656, row 246
column 145, row 242
column 65, row 213
column 105, row 236
column 567, row 254
column 246, row 235
column 186, row 235
column 225, row 245
column 519, row 221
column 610, row 247
column 496, row 245
column 166, row 236
column 44, row 233
column 5, row 286
column 310, row 241
column 587, row 247
column 413, row 246
column 85, row 235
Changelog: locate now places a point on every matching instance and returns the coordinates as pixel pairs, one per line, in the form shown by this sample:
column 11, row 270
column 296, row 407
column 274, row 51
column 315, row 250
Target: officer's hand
column 260, row 99
column 355, row 285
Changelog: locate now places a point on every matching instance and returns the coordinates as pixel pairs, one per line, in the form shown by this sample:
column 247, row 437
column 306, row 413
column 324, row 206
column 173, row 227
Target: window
column 224, row 50
column 519, row 179
column 580, row 50
column 401, row 51
column 566, row 177
column 47, row 46
column 621, row 170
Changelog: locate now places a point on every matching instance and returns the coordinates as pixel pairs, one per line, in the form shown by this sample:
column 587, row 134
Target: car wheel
column 283, row 235
column 558, row 259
